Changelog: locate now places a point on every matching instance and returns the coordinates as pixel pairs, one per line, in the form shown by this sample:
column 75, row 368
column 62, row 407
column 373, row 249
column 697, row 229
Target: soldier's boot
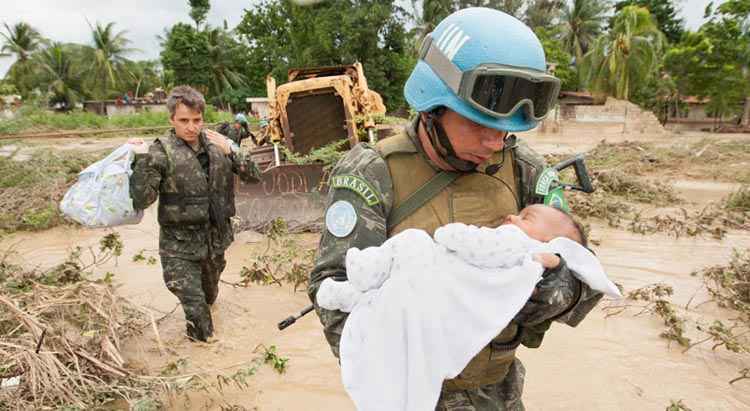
column 200, row 327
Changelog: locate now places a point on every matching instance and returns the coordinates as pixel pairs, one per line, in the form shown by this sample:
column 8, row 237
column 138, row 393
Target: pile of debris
column 62, row 336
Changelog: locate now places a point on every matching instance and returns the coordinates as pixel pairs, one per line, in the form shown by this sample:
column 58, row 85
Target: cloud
column 144, row 20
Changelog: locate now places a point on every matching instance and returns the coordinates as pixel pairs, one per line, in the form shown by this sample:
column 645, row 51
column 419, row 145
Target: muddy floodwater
column 615, row 363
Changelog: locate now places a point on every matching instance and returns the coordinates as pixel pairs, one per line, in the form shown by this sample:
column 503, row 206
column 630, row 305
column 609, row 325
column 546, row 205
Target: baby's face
column 540, row 222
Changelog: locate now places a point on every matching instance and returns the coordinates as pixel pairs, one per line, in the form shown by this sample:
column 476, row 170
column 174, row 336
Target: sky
column 66, row 20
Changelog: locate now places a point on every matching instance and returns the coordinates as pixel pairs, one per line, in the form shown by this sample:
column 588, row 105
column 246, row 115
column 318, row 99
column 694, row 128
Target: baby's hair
column 577, row 227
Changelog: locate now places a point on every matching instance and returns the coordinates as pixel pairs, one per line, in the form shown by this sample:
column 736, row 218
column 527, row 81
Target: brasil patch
column 357, row 184
column 545, row 180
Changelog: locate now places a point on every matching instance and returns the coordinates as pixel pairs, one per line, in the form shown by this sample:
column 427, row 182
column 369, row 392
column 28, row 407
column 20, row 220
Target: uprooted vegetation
column 63, row 336
column 283, row 260
column 627, row 198
column 714, row 219
column 327, row 155
column 729, row 288
column 31, row 190
column 705, row 159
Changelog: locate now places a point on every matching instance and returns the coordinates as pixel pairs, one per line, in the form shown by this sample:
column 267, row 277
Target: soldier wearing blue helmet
column 481, row 74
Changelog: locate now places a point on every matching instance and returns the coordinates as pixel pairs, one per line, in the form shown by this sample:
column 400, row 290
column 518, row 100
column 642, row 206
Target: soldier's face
column 187, row 123
column 471, row 141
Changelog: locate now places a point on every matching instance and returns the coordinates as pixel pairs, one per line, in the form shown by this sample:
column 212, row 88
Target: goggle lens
column 501, row 94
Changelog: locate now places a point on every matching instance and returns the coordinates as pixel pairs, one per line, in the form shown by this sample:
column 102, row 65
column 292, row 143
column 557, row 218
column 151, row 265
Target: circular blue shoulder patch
column 341, row 218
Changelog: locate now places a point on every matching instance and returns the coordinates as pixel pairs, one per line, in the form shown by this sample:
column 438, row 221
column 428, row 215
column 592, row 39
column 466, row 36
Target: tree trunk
column 746, row 113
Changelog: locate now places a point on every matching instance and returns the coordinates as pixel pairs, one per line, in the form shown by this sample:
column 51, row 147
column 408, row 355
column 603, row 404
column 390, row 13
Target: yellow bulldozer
column 316, row 107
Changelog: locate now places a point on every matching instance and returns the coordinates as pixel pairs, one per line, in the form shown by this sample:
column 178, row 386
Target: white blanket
column 421, row 309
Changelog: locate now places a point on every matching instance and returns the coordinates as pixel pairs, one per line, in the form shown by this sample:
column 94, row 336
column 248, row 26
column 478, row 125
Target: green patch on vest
column 358, row 185
column 545, row 181
column 556, row 198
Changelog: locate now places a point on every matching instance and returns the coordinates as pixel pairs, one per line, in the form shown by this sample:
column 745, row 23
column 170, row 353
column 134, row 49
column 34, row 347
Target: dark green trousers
column 503, row 396
column 196, row 285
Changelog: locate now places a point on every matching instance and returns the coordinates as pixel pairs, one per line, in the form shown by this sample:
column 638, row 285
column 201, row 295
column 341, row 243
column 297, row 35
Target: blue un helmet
column 240, row 118
column 486, row 66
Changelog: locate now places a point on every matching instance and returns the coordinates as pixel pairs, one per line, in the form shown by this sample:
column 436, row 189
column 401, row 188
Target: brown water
column 619, row 363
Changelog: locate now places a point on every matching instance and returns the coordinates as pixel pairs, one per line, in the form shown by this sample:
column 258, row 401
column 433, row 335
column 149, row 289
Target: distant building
column 115, row 107
column 258, row 105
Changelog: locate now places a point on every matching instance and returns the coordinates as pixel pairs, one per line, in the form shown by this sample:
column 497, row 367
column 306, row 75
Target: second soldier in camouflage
column 191, row 173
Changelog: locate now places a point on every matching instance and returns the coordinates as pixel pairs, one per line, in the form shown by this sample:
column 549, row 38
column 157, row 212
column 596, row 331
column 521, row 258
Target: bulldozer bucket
column 293, row 192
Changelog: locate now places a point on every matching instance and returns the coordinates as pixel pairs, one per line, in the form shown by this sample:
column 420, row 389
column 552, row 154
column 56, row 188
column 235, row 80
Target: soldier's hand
column 219, row 140
column 139, row 146
column 547, row 260
column 553, row 295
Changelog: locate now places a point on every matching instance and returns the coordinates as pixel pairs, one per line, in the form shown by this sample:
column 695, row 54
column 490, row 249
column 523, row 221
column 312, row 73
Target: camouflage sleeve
column 529, row 166
column 148, row 169
column 361, row 164
column 560, row 296
column 245, row 168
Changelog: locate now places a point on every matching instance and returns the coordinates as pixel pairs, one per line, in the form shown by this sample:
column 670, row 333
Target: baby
column 421, row 308
column 539, row 222
column 538, row 231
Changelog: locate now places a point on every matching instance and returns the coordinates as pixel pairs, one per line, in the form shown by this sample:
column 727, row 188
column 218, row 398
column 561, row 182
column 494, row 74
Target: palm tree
column 542, row 13
column 20, row 41
column 109, row 49
column 142, row 76
column 59, row 72
column 627, row 56
column 222, row 50
column 582, row 21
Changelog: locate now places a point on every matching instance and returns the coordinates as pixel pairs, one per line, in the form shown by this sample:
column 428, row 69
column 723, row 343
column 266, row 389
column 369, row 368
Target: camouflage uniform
column 237, row 134
column 559, row 296
column 196, row 200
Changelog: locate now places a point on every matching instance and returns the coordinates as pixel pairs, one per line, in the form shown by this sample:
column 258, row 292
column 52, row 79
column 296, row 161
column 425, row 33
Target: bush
column 739, row 200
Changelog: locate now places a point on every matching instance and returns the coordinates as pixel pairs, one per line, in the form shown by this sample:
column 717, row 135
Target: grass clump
column 739, row 200
column 35, row 120
column 677, row 406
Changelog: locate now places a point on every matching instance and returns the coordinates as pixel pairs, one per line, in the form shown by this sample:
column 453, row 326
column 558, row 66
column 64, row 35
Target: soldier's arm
column 245, row 168
column 560, row 296
column 370, row 230
column 148, row 169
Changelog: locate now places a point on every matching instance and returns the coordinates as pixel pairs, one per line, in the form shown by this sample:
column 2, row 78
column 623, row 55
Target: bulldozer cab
column 320, row 105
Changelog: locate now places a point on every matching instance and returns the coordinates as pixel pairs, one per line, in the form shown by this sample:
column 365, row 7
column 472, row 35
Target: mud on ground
column 619, row 362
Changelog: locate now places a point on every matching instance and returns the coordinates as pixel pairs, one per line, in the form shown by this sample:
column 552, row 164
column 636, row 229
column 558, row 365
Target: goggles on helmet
column 495, row 89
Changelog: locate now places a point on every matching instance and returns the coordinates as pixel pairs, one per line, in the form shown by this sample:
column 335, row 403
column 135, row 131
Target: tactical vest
column 187, row 196
column 474, row 198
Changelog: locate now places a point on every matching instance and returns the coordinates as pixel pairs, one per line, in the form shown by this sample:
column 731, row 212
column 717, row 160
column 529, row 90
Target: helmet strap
column 441, row 142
